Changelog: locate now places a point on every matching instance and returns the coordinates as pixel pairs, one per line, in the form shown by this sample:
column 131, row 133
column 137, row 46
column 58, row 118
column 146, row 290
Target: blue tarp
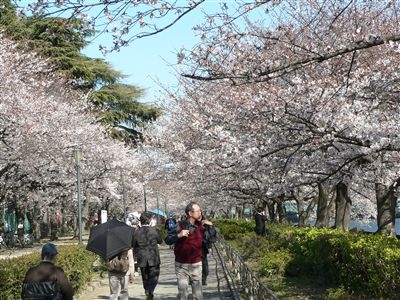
column 158, row 212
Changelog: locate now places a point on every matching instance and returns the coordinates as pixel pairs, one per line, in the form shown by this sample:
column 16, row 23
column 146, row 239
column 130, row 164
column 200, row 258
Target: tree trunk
column 343, row 207
column 35, row 228
column 281, row 214
column 303, row 212
column 304, row 216
column 386, row 204
column 271, row 210
column 322, row 209
column 280, row 211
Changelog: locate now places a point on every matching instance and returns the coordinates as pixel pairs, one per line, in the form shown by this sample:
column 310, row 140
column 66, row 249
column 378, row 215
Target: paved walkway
column 217, row 287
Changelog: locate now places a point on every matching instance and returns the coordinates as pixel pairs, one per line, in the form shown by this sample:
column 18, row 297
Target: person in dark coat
column 46, row 272
column 145, row 245
column 260, row 219
column 209, row 238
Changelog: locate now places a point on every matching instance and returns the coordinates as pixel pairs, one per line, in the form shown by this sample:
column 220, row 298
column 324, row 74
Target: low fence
column 247, row 280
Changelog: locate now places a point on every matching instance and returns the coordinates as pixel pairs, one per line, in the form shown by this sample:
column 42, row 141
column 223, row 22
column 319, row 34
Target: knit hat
column 49, row 250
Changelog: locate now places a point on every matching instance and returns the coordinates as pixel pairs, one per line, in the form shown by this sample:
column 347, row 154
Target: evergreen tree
column 61, row 40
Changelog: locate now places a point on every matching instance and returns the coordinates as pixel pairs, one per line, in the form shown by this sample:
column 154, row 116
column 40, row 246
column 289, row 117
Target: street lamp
column 144, row 195
column 158, row 209
column 78, row 156
column 123, row 194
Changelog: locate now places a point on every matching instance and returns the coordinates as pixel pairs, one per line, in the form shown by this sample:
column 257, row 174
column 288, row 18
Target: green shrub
column 357, row 264
column 74, row 259
column 274, row 263
column 230, row 228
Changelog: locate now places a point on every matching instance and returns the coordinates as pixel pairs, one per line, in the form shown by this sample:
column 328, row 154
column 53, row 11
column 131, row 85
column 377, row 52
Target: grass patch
column 297, row 288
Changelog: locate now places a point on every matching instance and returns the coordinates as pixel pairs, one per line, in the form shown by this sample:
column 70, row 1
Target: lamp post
column 123, row 194
column 144, row 195
column 158, row 209
column 78, row 155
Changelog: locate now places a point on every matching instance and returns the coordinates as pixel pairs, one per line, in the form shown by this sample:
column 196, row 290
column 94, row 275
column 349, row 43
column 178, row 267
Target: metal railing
column 247, row 280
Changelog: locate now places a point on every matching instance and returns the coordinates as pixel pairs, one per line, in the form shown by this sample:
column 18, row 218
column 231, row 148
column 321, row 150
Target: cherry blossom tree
column 42, row 122
column 293, row 105
column 126, row 21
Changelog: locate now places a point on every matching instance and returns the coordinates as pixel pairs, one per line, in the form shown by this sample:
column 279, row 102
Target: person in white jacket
column 131, row 272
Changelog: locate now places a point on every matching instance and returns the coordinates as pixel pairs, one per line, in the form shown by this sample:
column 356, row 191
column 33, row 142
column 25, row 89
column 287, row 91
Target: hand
column 183, row 233
column 206, row 222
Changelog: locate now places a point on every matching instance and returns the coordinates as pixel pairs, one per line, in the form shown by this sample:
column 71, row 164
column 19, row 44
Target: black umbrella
column 110, row 238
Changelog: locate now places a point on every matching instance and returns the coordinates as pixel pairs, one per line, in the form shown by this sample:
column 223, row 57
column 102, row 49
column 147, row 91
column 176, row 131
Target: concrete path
column 217, row 287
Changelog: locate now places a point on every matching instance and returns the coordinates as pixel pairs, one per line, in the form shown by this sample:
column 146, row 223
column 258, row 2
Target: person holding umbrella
column 118, row 267
column 111, row 241
column 145, row 245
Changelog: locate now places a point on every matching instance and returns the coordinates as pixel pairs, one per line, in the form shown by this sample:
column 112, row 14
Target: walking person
column 209, row 238
column 188, row 239
column 170, row 225
column 260, row 219
column 118, row 268
column 145, row 245
column 135, row 223
column 129, row 276
column 46, row 280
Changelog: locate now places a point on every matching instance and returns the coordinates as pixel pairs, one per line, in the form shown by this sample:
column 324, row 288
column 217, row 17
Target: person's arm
column 159, row 237
column 174, row 235
column 131, row 270
column 134, row 239
column 65, row 286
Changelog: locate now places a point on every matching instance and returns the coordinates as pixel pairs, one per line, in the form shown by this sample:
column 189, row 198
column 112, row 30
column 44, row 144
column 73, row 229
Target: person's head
column 260, row 209
column 193, row 211
column 49, row 252
column 145, row 218
column 135, row 222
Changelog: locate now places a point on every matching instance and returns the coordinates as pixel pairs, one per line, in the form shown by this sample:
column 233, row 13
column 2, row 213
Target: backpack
column 119, row 263
column 171, row 224
column 43, row 290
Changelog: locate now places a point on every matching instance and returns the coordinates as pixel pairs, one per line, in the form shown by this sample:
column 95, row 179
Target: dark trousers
column 204, row 274
column 150, row 276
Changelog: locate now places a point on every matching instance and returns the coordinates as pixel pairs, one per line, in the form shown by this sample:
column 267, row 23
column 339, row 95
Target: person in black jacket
column 145, row 245
column 209, row 238
column 260, row 219
column 46, row 279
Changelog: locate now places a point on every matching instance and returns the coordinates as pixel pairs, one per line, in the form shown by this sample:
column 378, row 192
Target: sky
column 149, row 59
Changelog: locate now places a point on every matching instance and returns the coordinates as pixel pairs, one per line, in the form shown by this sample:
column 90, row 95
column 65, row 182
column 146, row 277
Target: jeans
column 189, row 274
column 118, row 287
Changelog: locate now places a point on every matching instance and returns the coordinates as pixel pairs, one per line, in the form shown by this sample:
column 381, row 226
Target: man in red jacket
column 188, row 239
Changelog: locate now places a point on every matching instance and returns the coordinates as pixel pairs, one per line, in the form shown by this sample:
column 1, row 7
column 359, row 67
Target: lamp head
column 77, row 155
